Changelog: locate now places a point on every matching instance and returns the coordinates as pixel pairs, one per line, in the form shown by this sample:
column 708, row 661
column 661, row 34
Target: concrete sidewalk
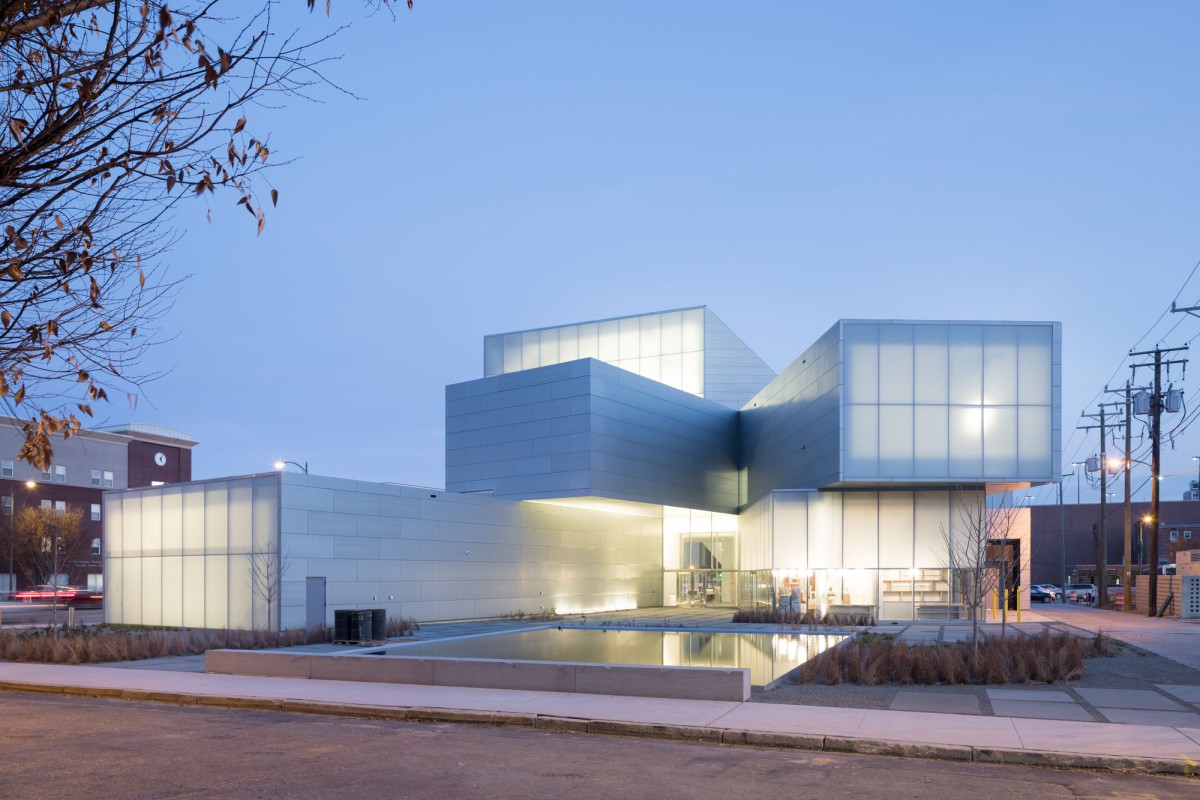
column 1084, row 745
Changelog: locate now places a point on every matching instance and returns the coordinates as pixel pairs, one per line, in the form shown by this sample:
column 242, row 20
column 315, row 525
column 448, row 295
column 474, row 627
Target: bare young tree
column 114, row 111
column 978, row 553
column 267, row 570
column 47, row 544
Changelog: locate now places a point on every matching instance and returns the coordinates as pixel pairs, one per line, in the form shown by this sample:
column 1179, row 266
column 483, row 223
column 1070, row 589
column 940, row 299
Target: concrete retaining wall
column 691, row 683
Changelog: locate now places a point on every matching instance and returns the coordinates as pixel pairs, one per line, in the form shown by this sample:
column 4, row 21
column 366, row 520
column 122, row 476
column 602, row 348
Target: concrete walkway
column 1086, row 745
column 1173, row 638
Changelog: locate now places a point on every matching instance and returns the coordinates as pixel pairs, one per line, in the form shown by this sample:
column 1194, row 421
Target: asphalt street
column 66, row 747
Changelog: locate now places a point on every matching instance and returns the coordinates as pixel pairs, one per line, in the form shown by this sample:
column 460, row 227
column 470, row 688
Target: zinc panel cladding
column 733, row 373
column 790, row 435
column 592, row 429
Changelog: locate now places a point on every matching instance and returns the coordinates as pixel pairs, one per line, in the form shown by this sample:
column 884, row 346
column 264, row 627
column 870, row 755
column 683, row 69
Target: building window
column 95, row 477
column 60, row 507
column 95, row 512
column 47, row 475
column 7, row 468
column 60, row 474
column 1174, row 536
column 108, row 479
column 47, row 504
column 1187, row 534
column 95, row 543
column 8, row 505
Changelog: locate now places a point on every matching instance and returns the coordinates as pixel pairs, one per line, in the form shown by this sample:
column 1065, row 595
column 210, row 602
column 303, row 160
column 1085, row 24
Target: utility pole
column 1156, row 409
column 1101, row 541
column 1127, row 578
column 1102, row 546
column 1127, row 569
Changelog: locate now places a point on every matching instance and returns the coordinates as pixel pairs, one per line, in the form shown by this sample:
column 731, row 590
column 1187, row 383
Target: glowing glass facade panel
column 183, row 554
column 666, row 347
column 971, row 402
column 689, row 349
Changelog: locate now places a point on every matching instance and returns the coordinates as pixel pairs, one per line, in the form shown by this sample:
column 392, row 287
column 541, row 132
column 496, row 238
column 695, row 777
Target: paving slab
column 926, row 728
column 1137, row 716
column 1033, row 695
column 1191, row 733
column 818, row 720
column 1143, row 699
column 1037, row 709
column 938, row 702
column 1188, row 694
column 1098, row 738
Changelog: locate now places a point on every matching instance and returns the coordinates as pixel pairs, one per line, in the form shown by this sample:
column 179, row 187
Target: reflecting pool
column 768, row 656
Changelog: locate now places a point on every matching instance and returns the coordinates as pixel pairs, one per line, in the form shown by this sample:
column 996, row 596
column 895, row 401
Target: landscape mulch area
column 1131, row 668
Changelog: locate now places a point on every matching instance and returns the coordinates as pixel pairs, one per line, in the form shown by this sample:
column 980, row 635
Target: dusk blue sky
column 514, row 165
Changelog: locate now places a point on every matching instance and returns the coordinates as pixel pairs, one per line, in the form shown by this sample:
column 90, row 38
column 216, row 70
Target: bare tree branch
column 111, row 113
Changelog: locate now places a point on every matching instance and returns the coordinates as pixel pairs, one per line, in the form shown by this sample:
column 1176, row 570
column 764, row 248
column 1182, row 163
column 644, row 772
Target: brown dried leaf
column 17, row 128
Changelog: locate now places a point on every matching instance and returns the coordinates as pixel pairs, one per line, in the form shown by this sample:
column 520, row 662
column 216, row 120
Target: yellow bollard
column 1018, row 604
column 995, row 605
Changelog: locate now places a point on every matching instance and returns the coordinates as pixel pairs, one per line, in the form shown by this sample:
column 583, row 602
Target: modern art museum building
column 650, row 460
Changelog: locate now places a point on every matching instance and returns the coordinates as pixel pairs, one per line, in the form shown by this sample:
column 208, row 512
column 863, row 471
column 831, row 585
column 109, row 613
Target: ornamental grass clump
column 104, row 644
column 770, row 616
column 1047, row 657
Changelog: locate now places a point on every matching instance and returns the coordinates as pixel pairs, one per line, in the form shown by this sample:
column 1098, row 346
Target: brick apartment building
column 85, row 466
column 1179, row 528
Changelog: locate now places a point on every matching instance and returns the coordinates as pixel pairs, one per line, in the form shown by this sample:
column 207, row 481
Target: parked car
column 1050, row 589
column 1079, row 592
column 1038, row 594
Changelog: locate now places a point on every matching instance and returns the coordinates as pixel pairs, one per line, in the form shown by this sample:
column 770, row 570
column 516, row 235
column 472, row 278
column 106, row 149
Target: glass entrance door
column 706, row 587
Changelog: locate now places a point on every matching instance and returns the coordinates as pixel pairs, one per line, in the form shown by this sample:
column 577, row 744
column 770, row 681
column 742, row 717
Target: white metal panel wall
column 442, row 555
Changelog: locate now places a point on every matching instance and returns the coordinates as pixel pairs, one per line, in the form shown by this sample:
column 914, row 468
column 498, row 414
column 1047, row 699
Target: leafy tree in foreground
column 48, row 542
column 113, row 112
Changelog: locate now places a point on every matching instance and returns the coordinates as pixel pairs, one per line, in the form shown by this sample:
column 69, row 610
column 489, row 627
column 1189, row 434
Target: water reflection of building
column 656, row 460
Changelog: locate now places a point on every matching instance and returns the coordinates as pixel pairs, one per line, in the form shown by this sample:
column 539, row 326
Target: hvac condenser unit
column 1188, row 570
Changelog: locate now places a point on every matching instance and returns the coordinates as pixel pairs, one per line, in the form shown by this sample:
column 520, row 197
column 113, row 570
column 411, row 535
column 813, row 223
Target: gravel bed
column 1131, row 669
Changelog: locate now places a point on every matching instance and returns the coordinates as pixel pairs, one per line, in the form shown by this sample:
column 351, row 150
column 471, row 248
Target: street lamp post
column 1078, row 479
column 280, row 465
column 1062, row 541
column 1142, row 537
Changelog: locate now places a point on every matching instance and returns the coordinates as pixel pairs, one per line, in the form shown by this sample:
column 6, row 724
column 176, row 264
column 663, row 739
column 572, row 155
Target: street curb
column 686, row 733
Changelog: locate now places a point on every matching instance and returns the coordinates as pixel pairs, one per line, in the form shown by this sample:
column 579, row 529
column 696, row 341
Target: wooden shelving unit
column 929, row 586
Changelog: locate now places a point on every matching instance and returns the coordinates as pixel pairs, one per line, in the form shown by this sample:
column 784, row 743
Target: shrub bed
column 1047, row 657
column 768, row 616
column 94, row 645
